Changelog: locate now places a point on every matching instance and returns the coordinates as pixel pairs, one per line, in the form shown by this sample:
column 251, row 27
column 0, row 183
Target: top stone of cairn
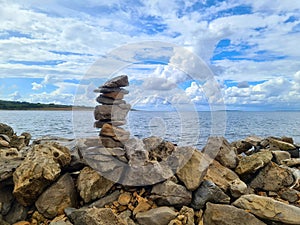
column 119, row 81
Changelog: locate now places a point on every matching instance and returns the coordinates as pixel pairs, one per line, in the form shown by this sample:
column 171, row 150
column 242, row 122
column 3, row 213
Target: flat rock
column 291, row 162
column 94, row 216
column 225, row 154
column 111, row 112
column 114, row 95
column 106, row 200
column 158, row 216
column 109, row 101
column 193, row 172
column 56, row 198
column 119, row 81
column 241, row 146
column 117, row 133
column 171, row 194
column 280, row 145
column 42, row 165
column 279, row 156
column 221, row 175
column 272, row 178
column 17, row 213
column 250, row 164
column 100, row 123
column 7, row 130
column 109, row 142
column 109, row 90
column 92, row 185
column 269, row 209
column 237, row 188
column 208, row 192
column 216, row 214
column 290, row 195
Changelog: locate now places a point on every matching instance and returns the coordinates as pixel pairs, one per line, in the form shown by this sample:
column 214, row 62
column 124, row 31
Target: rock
column 225, row 154
column 109, row 101
column 109, row 90
column 171, row 194
column 111, row 112
column 158, row 216
column 216, row 214
column 8, row 166
column 208, row 192
column 27, row 138
column 254, row 140
column 106, row 200
column 119, row 81
column 289, row 195
column 92, row 185
column 16, row 213
column 9, row 153
column 142, row 206
column 221, row 175
column 291, row 162
column 22, row 223
column 250, row 164
column 117, row 133
column 241, row 146
column 94, row 216
column 193, row 172
column 124, row 198
column 40, row 168
column 56, row 198
column 126, row 217
column 109, row 142
column 60, row 223
column 279, row 156
column 287, row 139
column 136, row 152
column 114, row 95
column 6, row 199
column 280, row 145
column 4, row 143
column 5, row 138
column 237, row 188
column 158, row 149
column 100, row 123
column 188, row 214
column 269, row 209
column 17, row 142
column 7, row 130
column 272, row 178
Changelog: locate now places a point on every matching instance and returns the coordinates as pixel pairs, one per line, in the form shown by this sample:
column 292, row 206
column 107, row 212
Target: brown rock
column 241, row 146
column 7, row 130
column 142, row 206
column 216, row 214
column 117, row 133
column 280, row 145
column 124, row 198
column 100, row 123
column 108, row 90
column 279, row 156
column 114, row 95
column 111, row 112
column 92, row 185
column 158, row 216
column 119, row 81
column 193, row 172
column 40, row 168
column 22, row 223
column 4, row 143
column 109, row 101
column 56, row 198
column 109, row 142
column 272, row 178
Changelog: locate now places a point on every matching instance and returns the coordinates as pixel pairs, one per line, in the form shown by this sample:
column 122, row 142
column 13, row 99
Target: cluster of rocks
column 252, row 181
column 112, row 112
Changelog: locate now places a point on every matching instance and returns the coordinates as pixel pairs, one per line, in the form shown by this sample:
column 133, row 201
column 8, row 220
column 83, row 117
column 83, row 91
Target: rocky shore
column 252, row 181
column 114, row 179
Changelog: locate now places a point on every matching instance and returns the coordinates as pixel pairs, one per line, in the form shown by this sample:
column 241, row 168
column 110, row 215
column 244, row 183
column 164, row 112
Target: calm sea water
column 181, row 128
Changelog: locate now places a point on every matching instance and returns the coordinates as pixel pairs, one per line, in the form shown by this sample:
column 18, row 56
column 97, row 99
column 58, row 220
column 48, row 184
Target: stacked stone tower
column 112, row 112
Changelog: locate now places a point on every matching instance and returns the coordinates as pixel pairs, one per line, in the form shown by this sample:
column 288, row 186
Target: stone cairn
column 112, row 112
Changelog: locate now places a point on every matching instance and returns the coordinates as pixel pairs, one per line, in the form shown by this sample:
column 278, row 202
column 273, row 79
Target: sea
column 181, row 128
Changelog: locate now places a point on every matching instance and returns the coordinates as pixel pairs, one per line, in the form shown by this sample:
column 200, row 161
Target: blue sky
column 251, row 47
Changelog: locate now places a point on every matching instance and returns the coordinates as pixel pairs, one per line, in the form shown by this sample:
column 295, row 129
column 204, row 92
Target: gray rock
column 237, row 188
column 2, row 222
column 56, row 198
column 109, row 101
column 272, row 178
column 252, row 163
column 111, row 112
column 119, row 81
column 269, row 209
column 241, row 146
column 193, row 172
column 8, row 166
column 109, row 142
column 216, row 214
column 7, row 130
column 61, row 223
column 226, row 155
column 126, row 216
column 279, row 156
column 92, row 185
column 109, row 90
column 171, row 194
column 16, row 213
column 158, row 216
column 6, row 199
column 136, row 152
column 94, row 216
column 106, row 200
column 208, row 192
column 254, row 140
column 116, row 133
column 290, row 195
column 100, row 123
column 41, row 167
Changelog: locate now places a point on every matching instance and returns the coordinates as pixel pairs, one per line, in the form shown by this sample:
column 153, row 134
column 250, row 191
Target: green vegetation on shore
column 16, row 105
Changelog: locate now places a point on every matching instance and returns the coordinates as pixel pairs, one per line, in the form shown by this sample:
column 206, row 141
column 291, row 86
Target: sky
column 232, row 54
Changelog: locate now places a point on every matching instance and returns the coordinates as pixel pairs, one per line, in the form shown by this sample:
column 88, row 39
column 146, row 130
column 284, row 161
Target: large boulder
column 269, row 209
column 158, row 216
column 42, row 165
column 56, row 198
column 171, row 194
column 225, row 154
column 208, row 192
column 272, row 178
column 252, row 163
column 92, row 185
column 193, row 172
column 216, row 214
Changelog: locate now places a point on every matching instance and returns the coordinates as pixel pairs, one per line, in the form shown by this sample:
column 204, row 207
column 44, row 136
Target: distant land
column 17, row 105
